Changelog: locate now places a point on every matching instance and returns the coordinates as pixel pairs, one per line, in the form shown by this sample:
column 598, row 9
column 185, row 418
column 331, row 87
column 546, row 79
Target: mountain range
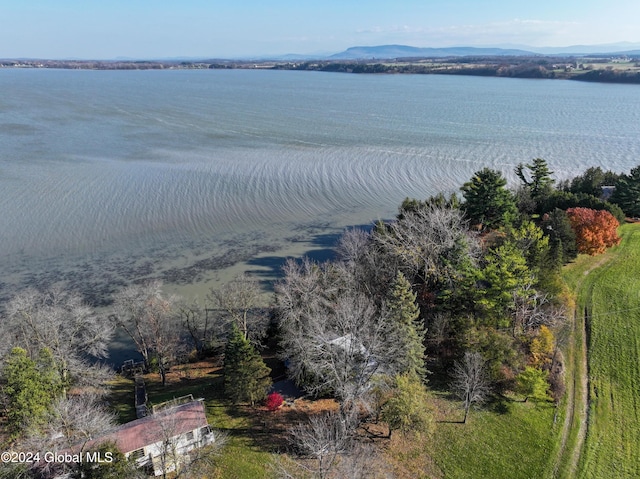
column 405, row 51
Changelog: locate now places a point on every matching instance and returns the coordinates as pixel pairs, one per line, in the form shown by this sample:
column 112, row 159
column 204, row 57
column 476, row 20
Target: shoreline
column 588, row 69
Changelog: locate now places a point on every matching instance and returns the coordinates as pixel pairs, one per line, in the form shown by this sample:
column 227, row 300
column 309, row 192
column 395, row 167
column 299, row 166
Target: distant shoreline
column 600, row 70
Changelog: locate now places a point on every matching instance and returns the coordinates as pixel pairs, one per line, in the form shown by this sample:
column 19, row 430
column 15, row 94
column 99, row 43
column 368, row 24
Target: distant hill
column 621, row 48
column 404, row 51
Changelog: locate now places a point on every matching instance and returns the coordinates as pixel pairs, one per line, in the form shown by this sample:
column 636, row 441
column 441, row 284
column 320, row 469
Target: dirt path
column 576, row 400
column 581, row 405
column 577, row 391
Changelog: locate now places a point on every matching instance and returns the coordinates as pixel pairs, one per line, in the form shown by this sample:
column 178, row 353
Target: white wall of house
column 159, row 453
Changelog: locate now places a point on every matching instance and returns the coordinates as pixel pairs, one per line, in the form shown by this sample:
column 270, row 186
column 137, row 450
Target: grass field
column 608, row 295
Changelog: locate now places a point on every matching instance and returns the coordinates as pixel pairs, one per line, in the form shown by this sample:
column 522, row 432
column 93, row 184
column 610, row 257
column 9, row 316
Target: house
column 352, row 347
column 160, row 441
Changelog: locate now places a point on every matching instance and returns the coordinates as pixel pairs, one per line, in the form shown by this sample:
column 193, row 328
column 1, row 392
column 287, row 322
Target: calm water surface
column 107, row 177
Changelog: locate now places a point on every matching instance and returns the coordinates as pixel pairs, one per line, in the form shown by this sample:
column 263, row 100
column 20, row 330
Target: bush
column 274, row 401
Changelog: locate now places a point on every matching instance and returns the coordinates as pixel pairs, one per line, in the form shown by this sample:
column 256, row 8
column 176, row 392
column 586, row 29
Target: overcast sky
column 107, row 29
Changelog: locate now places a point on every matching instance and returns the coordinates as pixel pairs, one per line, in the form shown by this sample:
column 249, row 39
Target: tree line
column 459, row 290
column 511, row 67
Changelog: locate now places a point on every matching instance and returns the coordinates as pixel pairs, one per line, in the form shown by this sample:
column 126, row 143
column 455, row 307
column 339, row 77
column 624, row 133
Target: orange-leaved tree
column 596, row 230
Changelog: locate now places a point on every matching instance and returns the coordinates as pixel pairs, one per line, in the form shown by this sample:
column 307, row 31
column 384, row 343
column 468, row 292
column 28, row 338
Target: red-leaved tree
column 596, row 230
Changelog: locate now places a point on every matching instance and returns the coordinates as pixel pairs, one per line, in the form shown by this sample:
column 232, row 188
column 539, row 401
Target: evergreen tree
column 405, row 313
column 30, row 387
column 531, row 241
column 503, row 277
column 246, row 376
column 565, row 200
column 487, row 201
column 592, row 181
column 627, row 193
column 412, row 205
column 562, row 238
column 540, row 183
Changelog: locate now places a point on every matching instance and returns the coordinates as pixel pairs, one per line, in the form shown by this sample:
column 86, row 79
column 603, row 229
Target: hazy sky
column 104, row 29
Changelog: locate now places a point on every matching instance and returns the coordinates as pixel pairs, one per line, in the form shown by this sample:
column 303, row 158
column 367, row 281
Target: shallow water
column 192, row 176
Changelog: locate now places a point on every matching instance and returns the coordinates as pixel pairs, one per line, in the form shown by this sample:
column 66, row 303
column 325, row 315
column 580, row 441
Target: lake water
column 190, row 176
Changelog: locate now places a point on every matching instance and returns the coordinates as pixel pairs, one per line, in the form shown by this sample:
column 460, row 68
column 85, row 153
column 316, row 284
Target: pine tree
column 627, row 193
column 504, row 275
column 541, row 182
column 246, row 376
column 30, row 387
column 487, row 201
column 405, row 312
column 562, row 239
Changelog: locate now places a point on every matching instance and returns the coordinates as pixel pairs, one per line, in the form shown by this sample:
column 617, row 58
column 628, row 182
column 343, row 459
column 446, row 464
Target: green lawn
column 609, row 297
column 507, row 439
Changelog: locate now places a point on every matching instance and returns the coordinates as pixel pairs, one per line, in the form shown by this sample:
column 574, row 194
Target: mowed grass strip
column 609, row 297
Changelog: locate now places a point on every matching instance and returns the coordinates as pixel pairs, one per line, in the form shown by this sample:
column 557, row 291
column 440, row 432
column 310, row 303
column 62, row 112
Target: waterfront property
column 162, row 441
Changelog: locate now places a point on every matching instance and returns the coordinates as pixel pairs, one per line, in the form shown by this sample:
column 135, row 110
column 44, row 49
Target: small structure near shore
column 131, row 368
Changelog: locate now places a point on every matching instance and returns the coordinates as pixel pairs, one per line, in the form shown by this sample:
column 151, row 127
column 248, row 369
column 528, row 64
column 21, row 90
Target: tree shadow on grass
column 266, row 430
column 500, row 405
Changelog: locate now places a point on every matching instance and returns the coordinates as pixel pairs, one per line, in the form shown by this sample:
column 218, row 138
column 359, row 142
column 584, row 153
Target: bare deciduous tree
column 241, row 302
column 328, row 447
column 534, row 309
column 429, row 242
column 70, row 425
column 196, row 323
column 363, row 461
column 61, row 322
column 152, row 322
column 470, row 382
column 439, row 328
column 325, row 437
column 335, row 339
column 371, row 270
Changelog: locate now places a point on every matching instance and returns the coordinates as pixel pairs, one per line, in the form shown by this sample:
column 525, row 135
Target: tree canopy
column 405, row 312
column 536, row 177
column 595, row 230
column 407, row 409
column 246, row 376
column 30, row 386
column 487, row 201
column 627, row 192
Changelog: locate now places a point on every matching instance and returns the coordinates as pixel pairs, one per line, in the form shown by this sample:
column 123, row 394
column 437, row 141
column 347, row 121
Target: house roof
column 158, row 427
